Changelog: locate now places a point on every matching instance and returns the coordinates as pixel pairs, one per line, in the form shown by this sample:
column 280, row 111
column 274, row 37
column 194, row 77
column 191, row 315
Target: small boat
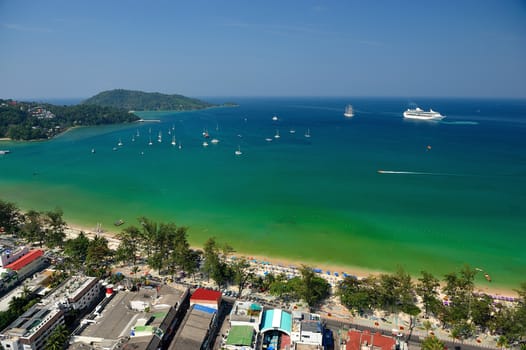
column 206, row 134
column 5, row 151
column 150, row 143
column 160, row 137
column 277, row 135
column 307, row 134
column 348, row 111
column 238, row 151
column 268, row 139
column 137, row 134
column 292, row 131
column 487, row 277
column 215, row 141
column 133, row 138
column 275, row 118
column 119, row 222
column 119, row 143
column 92, row 150
column 180, row 146
column 205, row 144
column 173, row 140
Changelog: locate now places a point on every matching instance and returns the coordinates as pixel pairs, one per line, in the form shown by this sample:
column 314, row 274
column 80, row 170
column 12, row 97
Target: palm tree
column 432, row 343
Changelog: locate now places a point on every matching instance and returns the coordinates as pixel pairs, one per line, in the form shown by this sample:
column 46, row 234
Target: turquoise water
column 318, row 199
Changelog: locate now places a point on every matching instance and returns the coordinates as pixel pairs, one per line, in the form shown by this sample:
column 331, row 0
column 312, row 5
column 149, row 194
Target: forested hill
column 146, row 101
column 33, row 120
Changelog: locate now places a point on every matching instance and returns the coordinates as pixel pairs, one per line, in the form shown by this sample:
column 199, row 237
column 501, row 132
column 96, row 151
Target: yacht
column 268, row 139
column 420, row 114
column 292, row 131
column 119, row 143
column 150, row 143
column 238, row 151
column 160, row 137
column 173, row 140
column 277, row 135
column 275, row 118
column 205, row 144
column 5, row 151
column 307, row 134
column 215, row 141
column 348, row 111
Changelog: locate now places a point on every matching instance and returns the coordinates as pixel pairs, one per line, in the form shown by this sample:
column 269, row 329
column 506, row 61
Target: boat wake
column 460, row 123
column 398, row 172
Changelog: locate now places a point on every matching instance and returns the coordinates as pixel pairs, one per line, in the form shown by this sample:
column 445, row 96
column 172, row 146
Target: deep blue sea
column 460, row 197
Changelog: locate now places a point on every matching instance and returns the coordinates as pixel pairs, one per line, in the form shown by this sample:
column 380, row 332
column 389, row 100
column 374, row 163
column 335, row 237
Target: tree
column 77, row 249
column 128, row 249
column 98, row 256
column 58, row 338
column 10, row 217
column 32, row 229
column 241, row 273
column 55, row 228
column 427, row 289
column 213, row 266
column 313, row 289
column 432, row 343
column 355, row 294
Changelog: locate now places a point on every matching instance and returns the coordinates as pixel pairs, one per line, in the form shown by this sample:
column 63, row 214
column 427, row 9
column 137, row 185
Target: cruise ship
column 423, row 115
column 349, row 111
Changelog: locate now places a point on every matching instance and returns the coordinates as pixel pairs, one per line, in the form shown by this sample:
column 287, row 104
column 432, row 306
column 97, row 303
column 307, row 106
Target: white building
column 7, row 255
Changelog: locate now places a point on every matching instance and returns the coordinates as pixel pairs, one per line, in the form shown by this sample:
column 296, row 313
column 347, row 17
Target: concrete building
column 276, row 329
column 245, row 313
column 28, row 264
column 358, row 340
column 76, row 293
column 198, row 329
column 31, row 330
column 206, row 297
column 142, row 320
column 306, row 329
column 9, row 255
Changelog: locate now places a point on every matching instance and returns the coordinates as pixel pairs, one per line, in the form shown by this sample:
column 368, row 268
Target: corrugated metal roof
column 25, row 260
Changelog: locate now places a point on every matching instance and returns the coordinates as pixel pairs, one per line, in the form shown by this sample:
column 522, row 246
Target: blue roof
column 277, row 319
column 206, row 309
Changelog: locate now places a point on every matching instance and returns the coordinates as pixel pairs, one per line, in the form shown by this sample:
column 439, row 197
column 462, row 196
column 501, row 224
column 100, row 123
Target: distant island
column 37, row 121
column 149, row 101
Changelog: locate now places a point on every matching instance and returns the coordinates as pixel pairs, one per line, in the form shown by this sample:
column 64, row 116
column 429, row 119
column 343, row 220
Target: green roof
column 240, row 335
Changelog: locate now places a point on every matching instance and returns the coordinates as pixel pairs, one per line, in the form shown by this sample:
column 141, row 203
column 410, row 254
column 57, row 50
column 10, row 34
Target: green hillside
column 146, row 101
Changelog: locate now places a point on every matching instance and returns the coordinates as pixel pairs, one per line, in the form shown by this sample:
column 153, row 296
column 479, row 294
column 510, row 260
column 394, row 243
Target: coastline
column 274, row 263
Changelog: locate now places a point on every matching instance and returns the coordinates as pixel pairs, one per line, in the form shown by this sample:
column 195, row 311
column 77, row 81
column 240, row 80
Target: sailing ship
column 349, row 112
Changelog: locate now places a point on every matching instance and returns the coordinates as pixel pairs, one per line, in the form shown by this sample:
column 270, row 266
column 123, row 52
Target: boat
column 5, row 151
column 292, row 131
column 138, row 133
column 173, row 140
column 119, row 222
column 119, row 143
column 150, row 143
column 206, row 134
column 348, row 111
column 160, row 137
column 487, row 277
column 215, row 141
column 275, row 118
column 420, row 114
column 205, row 144
column 307, row 134
column 92, row 150
column 277, row 135
column 180, row 146
column 238, row 151
column 268, row 139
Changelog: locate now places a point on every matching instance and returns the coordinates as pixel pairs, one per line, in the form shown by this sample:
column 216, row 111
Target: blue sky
column 64, row 48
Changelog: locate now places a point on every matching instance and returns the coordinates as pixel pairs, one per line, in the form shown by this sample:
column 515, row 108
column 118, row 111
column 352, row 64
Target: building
column 245, row 319
column 206, row 297
column 8, row 255
column 276, row 329
column 307, row 329
column 31, row 330
column 77, row 292
column 358, row 340
column 141, row 320
column 28, row 264
column 198, row 329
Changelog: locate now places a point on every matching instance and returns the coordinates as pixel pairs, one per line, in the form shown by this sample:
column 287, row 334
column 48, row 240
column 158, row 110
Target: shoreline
column 277, row 262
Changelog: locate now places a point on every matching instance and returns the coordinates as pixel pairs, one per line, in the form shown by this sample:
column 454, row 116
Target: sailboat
column 160, row 137
column 348, row 111
column 277, row 135
column 307, row 134
column 173, row 140
column 275, row 118
column 238, row 151
column 180, row 146
column 119, row 143
column 138, row 133
column 150, row 143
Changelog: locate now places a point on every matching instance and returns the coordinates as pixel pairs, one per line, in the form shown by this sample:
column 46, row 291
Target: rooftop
column 206, row 294
column 25, row 260
column 241, row 336
column 194, row 330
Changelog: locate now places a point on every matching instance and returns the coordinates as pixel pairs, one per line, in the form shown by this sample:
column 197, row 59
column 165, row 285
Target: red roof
column 25, row 260
column 381, row 341
column 206, row 294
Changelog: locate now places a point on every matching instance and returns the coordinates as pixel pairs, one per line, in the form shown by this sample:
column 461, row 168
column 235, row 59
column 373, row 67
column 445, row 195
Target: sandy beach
column 278, row 264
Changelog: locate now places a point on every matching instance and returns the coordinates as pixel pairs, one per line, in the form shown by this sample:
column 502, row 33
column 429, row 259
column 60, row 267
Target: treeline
column 165, row 247
column 146, row 101
column 31, row 120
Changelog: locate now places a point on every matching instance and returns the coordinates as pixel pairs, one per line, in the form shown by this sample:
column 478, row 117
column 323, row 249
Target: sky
column 446, row 48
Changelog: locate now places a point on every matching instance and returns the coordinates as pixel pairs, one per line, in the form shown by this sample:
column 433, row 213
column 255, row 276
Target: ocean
column 452, row 192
